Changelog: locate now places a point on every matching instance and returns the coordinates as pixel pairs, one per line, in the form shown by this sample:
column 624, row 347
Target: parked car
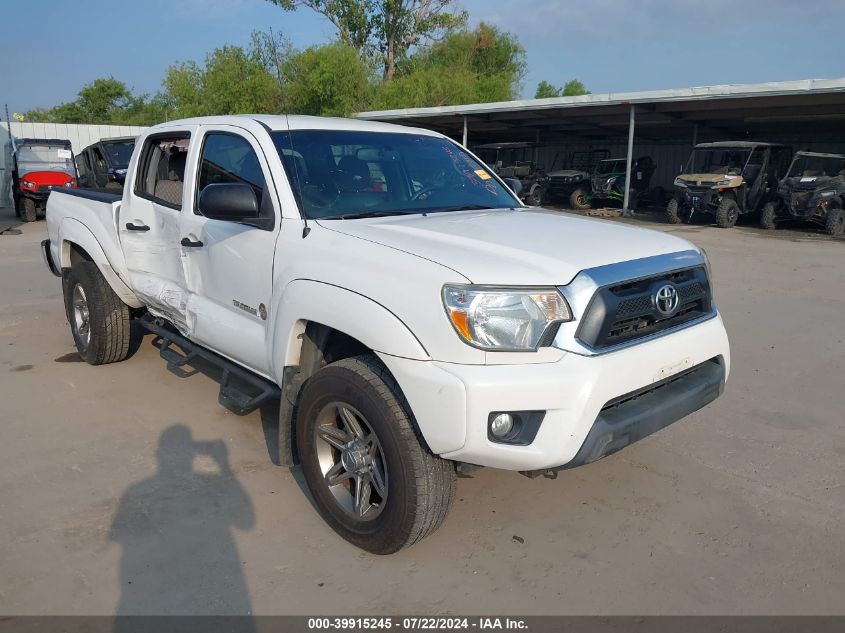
column 608, row 181
column 103, row 164
column 414, row 317
column 516, row 160
column 38, row 166
column 572, row 184
column 813, row 191
column 728, row 179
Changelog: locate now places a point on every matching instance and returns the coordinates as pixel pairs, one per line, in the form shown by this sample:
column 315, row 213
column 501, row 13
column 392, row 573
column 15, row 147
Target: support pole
column 465, row 132
column 694, row 134
column 631, row 121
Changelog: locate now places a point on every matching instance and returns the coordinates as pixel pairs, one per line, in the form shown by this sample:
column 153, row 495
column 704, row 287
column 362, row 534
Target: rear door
column 229, row 265
column 149, row 224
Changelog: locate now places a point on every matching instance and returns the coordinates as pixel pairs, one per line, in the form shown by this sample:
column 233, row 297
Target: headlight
column 28, row 184
column 826, row 194
column 611, row 180
column 680, row 182
column 120, row 172
column 500, row 319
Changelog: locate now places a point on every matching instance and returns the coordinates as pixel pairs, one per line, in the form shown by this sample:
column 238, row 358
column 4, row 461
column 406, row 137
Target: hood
column 42, row 178
column 531, row 247
column 708, row 180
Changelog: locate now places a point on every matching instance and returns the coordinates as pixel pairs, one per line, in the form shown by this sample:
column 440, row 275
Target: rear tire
column 727, row 214
column 579, row 200
column 99, row 320
column 673, row 214
column 767, row 216
column 28, row 211
column 835, row 223
column 418, row 487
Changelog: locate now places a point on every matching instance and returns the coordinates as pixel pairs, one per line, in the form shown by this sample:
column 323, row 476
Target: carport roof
column 739, row 111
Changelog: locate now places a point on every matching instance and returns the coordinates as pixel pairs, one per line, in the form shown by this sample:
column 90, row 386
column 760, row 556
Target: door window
column 161, row 171
column 228, row 158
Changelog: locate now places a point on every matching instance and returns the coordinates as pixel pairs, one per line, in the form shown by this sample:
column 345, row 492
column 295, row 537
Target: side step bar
column 232, row 396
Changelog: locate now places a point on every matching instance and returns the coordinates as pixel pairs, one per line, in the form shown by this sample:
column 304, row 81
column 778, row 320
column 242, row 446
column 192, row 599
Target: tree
column 476, row 66
column 546, row 90
column 571, row 88
column 105, row 100
column 385, row 30
column 574, row 88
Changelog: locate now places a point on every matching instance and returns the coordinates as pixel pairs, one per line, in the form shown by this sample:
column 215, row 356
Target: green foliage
column 385, row 30
column 476, row 66
column 105, row 100
column 546, row 90
column 571, row 88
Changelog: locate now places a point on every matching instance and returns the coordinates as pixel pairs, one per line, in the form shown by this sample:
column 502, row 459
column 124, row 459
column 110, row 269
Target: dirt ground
column 116, row 494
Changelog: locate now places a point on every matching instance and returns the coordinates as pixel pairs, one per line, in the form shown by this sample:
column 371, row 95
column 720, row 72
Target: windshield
column 119, row 153
column 338, row 174
column 44, row 158
column 729, row 161
column 816, row 167
column 606, row 167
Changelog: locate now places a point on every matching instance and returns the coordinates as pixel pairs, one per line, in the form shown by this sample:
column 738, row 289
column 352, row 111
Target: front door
column 149, row 226
column 229, row 265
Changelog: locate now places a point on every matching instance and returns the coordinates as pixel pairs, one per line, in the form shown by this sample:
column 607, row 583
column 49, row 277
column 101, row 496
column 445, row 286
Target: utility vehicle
column 728, row 179
column 572, row 184
column 608, row 181
column 812, row 191
column 38, row 166
column 415, row 318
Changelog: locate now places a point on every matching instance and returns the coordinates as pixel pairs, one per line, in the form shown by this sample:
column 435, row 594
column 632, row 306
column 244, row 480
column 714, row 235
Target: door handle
column 136, row 227
column 190, row 243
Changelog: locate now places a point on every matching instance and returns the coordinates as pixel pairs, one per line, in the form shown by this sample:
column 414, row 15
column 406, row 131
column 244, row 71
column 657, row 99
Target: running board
column 232, row 396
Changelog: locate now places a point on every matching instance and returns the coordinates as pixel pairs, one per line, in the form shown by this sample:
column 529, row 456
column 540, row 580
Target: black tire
column 579, row 199
column 673, row 213
column 835, row 223
column 420, row 487
column 28, row 210
column 107, row 316
column 727, row 214
column 768, row 215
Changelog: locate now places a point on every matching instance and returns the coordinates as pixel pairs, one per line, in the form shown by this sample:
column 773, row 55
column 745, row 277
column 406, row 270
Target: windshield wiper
column 363, row 214
column 465, row 207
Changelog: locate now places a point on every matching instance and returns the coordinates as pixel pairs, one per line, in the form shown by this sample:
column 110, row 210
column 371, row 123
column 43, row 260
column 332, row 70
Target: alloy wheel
column 81, row 315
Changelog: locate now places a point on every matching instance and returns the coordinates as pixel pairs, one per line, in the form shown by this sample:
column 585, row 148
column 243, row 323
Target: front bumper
column 700, row 199
column 594, row 405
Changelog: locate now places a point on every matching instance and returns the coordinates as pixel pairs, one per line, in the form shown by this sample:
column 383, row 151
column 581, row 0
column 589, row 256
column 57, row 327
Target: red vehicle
column 38, row 166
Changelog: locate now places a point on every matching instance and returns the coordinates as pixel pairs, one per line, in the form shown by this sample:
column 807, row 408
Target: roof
column 819, row 155
column 116, row 139
column 42, row 141
column 758, row 110
column 736, row 144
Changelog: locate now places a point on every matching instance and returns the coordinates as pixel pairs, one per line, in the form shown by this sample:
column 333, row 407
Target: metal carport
column 807, row 114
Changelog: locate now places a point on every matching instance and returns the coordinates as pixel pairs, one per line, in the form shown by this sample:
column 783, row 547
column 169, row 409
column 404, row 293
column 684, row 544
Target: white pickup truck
column 415, row 317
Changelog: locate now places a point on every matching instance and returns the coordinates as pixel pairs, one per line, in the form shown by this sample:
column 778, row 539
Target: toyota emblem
column 666, row 299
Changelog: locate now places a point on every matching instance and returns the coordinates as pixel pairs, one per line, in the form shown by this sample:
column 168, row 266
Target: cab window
column 161, row 170
column 228, row 158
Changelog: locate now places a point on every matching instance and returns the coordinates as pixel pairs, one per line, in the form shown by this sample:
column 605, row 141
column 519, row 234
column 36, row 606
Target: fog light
column 501, row 424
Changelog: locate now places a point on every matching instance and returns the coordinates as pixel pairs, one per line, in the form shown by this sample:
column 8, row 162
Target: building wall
column 80, row 136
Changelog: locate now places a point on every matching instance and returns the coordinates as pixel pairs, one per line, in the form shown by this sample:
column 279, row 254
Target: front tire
column 99, row 320
column 767, row 216
column 835, row 223
column 372, row 479
column 727, row 214
column 579, row 200
column 673, row 214
column 28, row 212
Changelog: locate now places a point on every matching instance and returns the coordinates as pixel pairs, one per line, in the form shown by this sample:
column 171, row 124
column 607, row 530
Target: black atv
column 608, row 180
column 727, row 180
column 812, row 191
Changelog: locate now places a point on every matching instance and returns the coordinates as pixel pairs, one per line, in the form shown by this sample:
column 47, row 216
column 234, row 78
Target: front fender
column 355, row 315
column 74, row 232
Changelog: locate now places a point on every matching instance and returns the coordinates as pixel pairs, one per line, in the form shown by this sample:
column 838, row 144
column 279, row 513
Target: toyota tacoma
column 415, row 319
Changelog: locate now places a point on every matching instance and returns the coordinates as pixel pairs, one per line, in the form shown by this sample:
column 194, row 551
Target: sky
column 610, row 45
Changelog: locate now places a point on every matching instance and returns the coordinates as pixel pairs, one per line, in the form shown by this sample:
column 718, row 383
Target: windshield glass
column 816, row 167
column 606, row 167
column 44, row 158
column 337, row 174
column 727, row 161
column 119, row 153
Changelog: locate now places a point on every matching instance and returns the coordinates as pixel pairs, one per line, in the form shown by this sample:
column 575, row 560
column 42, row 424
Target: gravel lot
column 739, row 509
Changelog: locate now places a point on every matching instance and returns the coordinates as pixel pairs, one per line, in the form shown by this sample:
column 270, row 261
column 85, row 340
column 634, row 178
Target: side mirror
column 515, row 184
column 234, row 202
